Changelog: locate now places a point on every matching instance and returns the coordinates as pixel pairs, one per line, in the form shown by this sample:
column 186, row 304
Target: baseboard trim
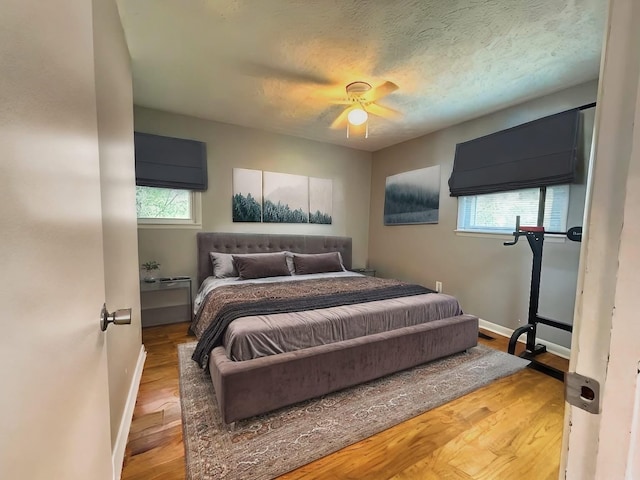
column 554, row 348
column 117, row 456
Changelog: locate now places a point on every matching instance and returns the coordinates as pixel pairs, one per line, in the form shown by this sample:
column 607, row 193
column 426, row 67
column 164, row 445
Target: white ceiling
column 276, row 64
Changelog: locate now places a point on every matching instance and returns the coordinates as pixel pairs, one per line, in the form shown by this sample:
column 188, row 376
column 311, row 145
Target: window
column 496, row 212
column 167, row 206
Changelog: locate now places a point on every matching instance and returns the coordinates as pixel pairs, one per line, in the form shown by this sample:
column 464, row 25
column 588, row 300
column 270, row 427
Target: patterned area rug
column 269, row 445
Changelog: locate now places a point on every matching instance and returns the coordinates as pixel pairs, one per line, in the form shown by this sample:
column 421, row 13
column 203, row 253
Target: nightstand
column 365, row 271
column 162, row 302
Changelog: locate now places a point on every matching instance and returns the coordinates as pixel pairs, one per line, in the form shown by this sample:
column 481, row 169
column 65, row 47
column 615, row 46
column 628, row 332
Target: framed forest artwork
column 286, row 198
column 320, row 200
column 272, row 197
column 412, row 197
column 247, row 195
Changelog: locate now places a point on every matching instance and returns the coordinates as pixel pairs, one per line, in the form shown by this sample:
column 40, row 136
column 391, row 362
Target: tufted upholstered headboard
column 262, row 243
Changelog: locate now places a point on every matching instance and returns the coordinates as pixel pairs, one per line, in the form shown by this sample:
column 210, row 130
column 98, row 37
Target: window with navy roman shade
column 535, row 154
column 169, row 162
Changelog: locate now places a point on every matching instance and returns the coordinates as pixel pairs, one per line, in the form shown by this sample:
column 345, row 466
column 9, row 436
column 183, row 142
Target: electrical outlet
column 438, row 286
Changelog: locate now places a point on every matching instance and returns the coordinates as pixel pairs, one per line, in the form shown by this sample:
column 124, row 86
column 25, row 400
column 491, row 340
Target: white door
column 605, row 343
column 54, row 408
column 114, row 99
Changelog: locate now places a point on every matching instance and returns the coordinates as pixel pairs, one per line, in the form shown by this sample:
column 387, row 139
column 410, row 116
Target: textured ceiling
column 277, row 64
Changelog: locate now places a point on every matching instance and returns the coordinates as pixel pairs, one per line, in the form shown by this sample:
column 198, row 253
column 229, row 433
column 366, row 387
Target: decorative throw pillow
column 261, row 266
column 317, row 263
column 223, row 265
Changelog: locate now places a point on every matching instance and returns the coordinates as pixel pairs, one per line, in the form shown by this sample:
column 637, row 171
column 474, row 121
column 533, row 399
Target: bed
column 355, row 328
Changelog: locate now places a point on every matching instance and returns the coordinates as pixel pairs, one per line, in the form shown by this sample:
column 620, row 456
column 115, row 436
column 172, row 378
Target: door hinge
column 582, row 392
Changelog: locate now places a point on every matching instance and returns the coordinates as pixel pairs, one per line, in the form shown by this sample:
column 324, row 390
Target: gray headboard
column 262, row 243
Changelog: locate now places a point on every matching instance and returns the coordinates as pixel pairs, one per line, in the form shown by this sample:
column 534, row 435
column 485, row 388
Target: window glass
column 163, row 204
column 496, row 212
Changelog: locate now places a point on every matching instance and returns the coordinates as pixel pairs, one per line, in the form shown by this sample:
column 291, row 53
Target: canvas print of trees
column 247, row 195
column 320, row 200
column 272, row 197
column 412, row 197
column 286, row 198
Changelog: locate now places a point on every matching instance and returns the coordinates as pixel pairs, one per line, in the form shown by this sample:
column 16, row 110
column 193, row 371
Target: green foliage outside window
column 165, row 203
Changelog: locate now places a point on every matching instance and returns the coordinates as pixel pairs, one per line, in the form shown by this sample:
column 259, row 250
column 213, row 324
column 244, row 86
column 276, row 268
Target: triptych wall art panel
column 286, row 198
column 320, row 200
column 247, row 195
column 280, row 197
column 412, row 197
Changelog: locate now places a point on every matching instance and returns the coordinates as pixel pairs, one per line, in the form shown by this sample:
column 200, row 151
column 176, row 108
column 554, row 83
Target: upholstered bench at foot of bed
column 251, row 387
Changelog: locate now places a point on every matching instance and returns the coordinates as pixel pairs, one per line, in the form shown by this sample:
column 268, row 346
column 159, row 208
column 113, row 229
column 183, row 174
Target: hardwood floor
column 509, row 429
column 154, row 449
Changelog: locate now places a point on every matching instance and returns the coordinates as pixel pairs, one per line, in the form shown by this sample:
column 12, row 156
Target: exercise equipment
column 535, row 237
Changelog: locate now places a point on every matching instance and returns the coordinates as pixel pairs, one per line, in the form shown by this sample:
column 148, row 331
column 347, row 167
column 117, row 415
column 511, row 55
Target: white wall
column 230, row 146
column 490, row 280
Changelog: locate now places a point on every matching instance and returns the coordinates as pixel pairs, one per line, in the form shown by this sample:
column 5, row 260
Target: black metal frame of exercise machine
column 535, row 237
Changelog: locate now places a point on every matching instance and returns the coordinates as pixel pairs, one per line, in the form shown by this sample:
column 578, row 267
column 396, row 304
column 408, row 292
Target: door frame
column 604, row 344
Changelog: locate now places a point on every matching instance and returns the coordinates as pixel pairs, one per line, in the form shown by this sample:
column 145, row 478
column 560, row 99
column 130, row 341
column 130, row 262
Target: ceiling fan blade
column 256, row 69
column 342, row 119
column 340, row 101
column 380, row 111
column 382, row 90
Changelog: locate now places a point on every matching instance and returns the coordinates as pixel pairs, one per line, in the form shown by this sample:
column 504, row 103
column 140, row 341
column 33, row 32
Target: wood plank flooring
column 507, row 430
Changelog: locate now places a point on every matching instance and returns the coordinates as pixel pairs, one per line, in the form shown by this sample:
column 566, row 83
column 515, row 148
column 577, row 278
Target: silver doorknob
column 119, row 317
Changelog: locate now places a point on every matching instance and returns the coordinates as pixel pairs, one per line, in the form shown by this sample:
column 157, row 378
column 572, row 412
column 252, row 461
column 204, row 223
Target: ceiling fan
column 361, row 101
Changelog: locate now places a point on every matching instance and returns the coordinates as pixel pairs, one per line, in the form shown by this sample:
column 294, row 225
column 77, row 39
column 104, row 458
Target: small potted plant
column 151, row 270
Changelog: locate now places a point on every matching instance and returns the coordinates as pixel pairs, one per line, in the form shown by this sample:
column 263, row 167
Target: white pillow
column 223, row 265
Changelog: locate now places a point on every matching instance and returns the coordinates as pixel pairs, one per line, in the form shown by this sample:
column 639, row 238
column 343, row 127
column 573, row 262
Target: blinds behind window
column 535, row 154
column 168, row 162
column 496, row 212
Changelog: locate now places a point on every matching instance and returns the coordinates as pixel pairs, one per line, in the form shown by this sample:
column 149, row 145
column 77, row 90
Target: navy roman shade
column 169, row 162
column 535, row 154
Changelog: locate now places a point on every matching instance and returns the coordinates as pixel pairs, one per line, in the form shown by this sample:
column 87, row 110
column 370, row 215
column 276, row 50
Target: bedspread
column 225, row 304
column 256, row 336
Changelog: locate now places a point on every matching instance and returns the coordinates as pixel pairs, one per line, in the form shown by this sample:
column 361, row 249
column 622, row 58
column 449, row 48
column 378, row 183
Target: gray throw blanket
column 212, row 336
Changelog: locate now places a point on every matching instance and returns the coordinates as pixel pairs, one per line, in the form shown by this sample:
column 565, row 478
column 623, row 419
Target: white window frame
column 195, row 220
column 500, row 232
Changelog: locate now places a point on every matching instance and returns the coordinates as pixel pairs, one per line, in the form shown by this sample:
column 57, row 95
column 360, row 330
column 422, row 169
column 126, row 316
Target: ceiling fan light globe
column 357, row 116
